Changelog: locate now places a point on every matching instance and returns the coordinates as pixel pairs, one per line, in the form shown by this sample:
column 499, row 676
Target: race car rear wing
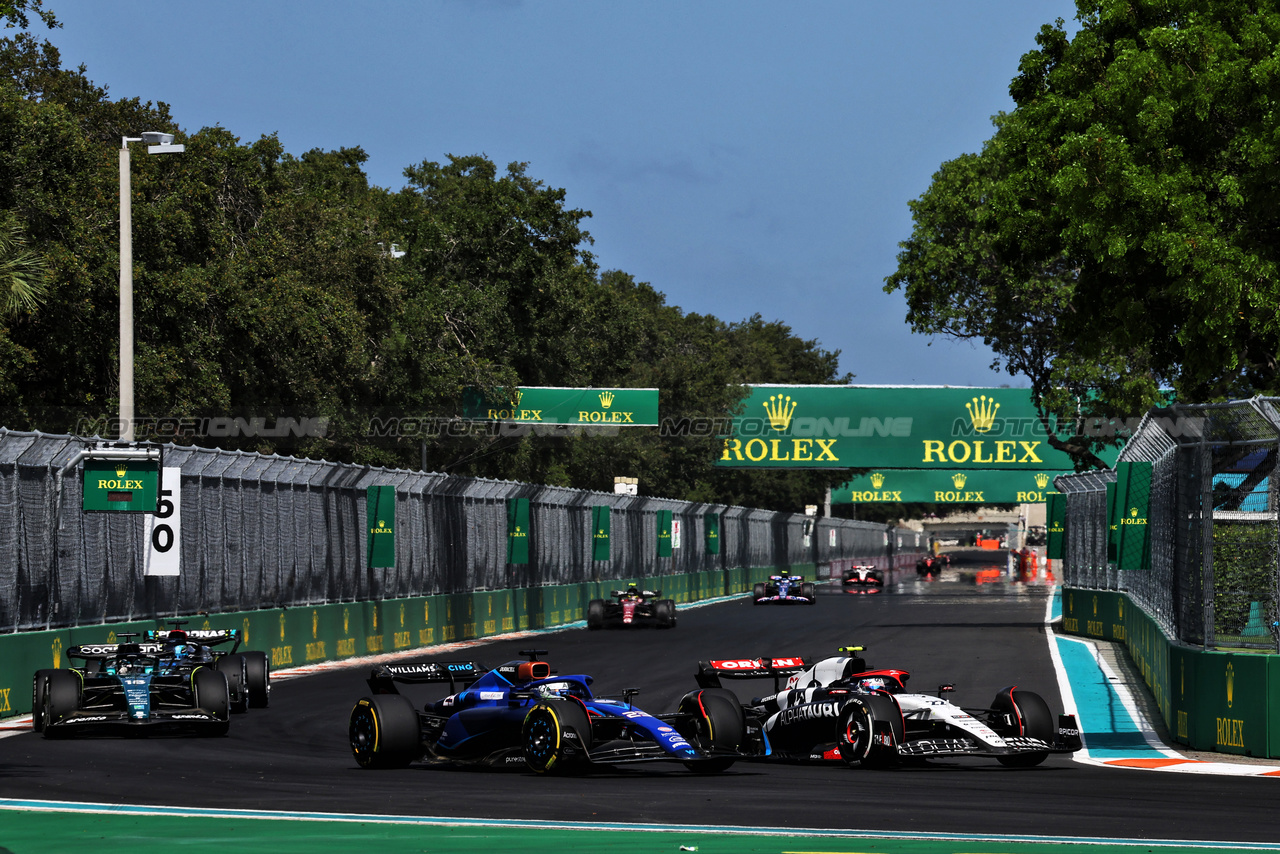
column 383, row 678
column 104, row 651
column 711, row 672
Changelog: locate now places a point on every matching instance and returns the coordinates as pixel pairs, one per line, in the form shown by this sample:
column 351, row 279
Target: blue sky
column 743, row 157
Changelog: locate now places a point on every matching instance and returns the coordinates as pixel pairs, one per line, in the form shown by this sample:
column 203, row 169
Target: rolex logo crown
column 515, row 400
column 877, row 480
column 606, row 399
column 121, row 470
column 1042, row 480
column 959, row 480
column 1133, row 511
column 779, row 408
column 982, row 412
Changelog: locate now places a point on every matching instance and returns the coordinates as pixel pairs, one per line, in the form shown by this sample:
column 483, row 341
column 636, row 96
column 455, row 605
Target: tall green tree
column 1120, row 226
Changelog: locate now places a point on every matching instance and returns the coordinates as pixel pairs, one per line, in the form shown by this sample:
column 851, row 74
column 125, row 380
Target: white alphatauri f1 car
column 840, row 709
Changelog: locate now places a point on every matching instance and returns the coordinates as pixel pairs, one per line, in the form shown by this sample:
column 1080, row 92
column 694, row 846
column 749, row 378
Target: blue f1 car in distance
column 785, row 588
column 520, row 712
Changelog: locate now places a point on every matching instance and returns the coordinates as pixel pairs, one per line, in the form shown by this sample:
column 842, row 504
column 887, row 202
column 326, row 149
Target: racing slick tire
column 664, row 611
column 717, row 723
column 595, row 614
column 758, row 593
column 806, row 590
column 858, row 724
column 384, row 732
column 557, row 737
column 233, row 667
column 1031, row 717
column 257, row 673
column 39, row 688
column 213, row 694
column 61, row 697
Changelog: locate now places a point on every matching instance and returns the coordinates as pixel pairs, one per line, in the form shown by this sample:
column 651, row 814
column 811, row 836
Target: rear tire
column 384, row 732
column 664, row 611
column 806, row 590
column 61, row 697
column 234, row 667
column 718, row 724
column 1032, row 718
column 758, row 593
column 211, row 692
column 595, row 614
column 549, row 731
column 257, row 673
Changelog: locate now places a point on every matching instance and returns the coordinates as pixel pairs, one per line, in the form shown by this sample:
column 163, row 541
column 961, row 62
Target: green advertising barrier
column 1228, row 702
column 294, row 637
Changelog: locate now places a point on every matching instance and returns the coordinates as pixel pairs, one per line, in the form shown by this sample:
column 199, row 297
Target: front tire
column 1031, row 718
column 211, row 692
column 234, row 667
column 557, row 737
column 758, row 593
column 664, row 611
column 61, row 697
column 595, row 614
column 718, row 724
column 257, row 673
column 384, row 732
column 857, row 735
column 39, row 688
column 806, row 590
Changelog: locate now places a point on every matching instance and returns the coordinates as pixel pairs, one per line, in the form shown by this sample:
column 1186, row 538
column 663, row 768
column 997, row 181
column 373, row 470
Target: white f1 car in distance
column 840, row 709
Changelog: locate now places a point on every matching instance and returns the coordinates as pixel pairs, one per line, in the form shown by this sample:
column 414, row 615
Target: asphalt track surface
column 294, row 755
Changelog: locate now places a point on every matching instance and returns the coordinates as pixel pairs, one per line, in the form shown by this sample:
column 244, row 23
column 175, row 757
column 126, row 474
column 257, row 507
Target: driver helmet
column 873, row 683
column 632, row 590
column 785, row 573
column 183, row 652
column 552, row 689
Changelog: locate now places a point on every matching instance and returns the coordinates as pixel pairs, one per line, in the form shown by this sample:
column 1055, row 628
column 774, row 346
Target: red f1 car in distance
column 630, row 607
column 840, row 709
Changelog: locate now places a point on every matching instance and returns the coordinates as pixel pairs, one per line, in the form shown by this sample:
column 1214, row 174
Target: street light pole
column 159, row 143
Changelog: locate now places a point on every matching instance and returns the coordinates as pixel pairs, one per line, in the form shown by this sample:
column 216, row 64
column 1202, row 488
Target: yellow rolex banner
column 1133, row 500
column 943, row 486
column 380, row 511
column 711, row 524
column 900, row 428
column 664, row 533
column 600, row 549
column 517, row 530
column 618, row 407
column 1056, row 526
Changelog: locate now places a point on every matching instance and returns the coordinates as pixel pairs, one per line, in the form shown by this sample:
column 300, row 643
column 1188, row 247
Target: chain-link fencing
column 262, row 531
column 1215, row 543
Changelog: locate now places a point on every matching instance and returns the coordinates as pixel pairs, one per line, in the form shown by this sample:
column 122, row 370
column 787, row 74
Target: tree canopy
column 1117, row 235
column 277, row 285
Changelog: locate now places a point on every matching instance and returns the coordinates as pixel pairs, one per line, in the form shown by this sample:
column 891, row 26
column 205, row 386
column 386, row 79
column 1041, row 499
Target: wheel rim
column 855, row 739
column 542, row 738
column 364, row 734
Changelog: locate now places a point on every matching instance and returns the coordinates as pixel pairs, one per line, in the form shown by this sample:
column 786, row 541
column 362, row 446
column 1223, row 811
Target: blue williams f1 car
column 520, row 713
column 130, row 689
column 785, row 588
